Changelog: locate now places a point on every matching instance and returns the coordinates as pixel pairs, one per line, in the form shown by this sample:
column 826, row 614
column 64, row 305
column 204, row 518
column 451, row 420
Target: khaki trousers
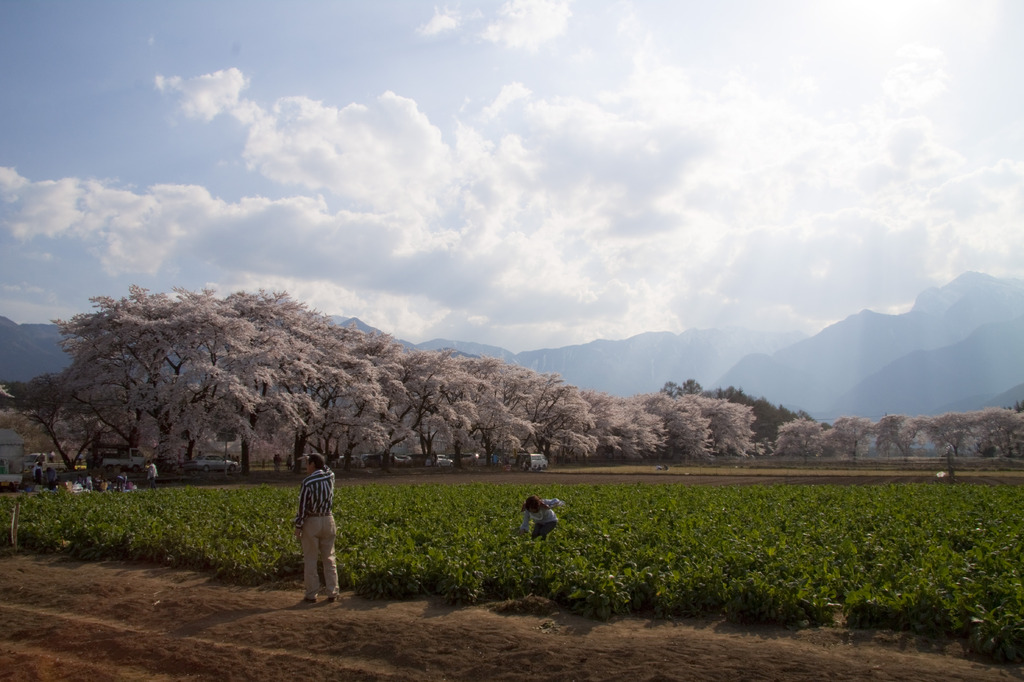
column 318, row 533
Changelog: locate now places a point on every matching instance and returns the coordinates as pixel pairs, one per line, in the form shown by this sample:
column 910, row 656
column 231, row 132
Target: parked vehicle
column 208, row 463
column 401, row 460
column 367, row 460
column 444, row 461
column 531, row 462
column 12, row 460
column 113, row 457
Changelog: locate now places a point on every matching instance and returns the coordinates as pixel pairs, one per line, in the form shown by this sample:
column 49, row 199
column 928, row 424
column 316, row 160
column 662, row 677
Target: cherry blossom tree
column 210, row 333
column 396, row 411
column 495, row 389
column 121, row 356
column 998, row 430
column 623, row 428
column 429, row 415
column 850, row 436
column 800, row 438
column 346, row 396
column 275, row 361
column 353, row 412
column 896, row 431
column 729, row 424
column 69, row 427
column 559, row 418
column 687, row 431
column 952, row 432
column 456, row 412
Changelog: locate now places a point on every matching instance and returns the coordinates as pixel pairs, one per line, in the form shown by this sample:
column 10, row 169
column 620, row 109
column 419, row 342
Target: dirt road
column 68, row 620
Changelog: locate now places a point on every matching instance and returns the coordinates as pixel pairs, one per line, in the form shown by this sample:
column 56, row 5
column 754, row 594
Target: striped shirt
column 316, row 498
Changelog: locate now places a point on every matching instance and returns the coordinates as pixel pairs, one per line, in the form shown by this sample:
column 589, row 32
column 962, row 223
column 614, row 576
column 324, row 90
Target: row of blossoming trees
column 172, row 371
column 985, row 433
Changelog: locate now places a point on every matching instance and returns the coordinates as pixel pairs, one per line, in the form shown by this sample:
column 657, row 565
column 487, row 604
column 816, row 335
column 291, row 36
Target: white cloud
column 659, row 203
column 443, row 21
column 386, row 154
column 526, row 24
column 511, row 93
column 206, row 96
column 47, row 208
column 918, row 80
column 976, row 221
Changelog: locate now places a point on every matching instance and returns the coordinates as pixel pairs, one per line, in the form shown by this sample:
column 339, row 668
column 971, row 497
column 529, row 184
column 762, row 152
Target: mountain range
column 959, row 348
column 28, row 350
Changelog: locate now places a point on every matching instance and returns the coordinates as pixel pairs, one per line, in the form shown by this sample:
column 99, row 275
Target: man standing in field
column 314, row 526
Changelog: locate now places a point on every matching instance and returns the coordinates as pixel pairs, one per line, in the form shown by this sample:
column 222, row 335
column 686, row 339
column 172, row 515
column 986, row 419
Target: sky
column 521, row 173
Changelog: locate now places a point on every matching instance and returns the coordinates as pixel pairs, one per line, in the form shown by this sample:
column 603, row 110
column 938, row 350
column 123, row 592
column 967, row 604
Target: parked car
column 211, row 463
column 367, row 460
column 444, row 461
column 401, row 460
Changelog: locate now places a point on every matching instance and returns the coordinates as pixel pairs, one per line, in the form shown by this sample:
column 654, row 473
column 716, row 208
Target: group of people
column 84, row 482
column 316, row 530
column 50, row 475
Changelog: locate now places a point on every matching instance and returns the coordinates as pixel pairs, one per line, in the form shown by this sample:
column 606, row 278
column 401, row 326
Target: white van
column 532, row 462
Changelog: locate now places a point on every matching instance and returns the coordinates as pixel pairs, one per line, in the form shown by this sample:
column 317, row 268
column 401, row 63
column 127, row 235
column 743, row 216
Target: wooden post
column 14, row 525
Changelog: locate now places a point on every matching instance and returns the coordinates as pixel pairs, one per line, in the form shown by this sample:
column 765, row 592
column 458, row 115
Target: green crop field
column 932, row 559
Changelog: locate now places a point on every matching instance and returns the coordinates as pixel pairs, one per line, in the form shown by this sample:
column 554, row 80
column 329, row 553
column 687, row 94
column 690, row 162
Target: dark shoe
column 331, row 599
column 308, row 600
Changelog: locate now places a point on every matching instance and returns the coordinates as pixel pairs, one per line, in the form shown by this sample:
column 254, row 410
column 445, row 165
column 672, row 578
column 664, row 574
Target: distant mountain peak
column 939, row 300
column 353, row 321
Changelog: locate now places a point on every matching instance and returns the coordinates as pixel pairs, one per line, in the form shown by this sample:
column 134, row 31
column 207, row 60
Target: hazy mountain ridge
column 465, row 347
column 643, row 363
column 860, row 366
column 28, row 350
column 639, row 364
column 968, row 373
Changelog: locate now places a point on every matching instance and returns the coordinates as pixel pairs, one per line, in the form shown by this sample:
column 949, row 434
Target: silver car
column 212, row 463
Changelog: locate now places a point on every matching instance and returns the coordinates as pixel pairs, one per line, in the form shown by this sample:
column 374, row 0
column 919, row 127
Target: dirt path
column 69, row 620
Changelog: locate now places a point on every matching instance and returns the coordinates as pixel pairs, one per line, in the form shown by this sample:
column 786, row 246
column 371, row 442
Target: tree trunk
column 298, row 451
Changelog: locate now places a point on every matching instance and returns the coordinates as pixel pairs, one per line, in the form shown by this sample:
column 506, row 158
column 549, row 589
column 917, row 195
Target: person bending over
column 540, row 511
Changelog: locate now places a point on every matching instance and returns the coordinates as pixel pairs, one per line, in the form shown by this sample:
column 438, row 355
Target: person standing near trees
column 151, row 474
column 315, row 527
